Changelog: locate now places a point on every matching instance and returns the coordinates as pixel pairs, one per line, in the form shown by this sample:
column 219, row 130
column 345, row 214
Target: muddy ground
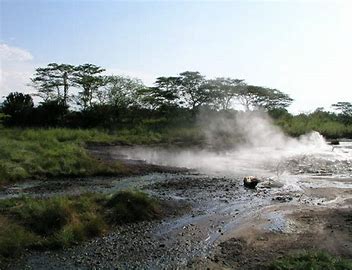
column 220, row 225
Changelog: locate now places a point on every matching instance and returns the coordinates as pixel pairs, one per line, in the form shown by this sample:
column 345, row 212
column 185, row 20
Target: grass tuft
column 64, row 221
column 311, row 260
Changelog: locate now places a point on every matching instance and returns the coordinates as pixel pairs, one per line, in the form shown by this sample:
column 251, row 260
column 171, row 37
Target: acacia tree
column 256, row 96
column 89, row 78
column 194, row 90
column 225, row 91
column 345, row 110
column 343, row 107
column 53, row 82
column 275, row 99
column 165, row 93
column 120, row 91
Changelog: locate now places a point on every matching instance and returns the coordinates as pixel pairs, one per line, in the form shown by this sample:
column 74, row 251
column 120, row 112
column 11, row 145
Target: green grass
column 130, row 206
column 302, row 124
column 311, row 261
column 46, row 153
column 64, row 221
column 41, row 153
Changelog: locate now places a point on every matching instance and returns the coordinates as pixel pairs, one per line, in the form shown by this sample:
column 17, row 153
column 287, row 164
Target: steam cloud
column 244, row 143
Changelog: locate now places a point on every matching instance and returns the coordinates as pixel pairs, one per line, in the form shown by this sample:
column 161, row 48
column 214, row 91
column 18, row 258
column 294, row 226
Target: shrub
column 43, row 217
column 64, row 221
column 13, row 238
column 132, row 206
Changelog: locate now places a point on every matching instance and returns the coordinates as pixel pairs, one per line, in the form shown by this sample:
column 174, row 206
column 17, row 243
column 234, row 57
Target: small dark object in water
column 250, row 181
column 334, row 142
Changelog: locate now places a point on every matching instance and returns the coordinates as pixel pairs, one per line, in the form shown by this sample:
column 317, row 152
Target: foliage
column 18, row 107
column 255, row 96
column 123, row 105
column 53, row 152
column 132, row 206
column 120, row 91
column 88, row 77
column 325, row 123
column 2, row 118
column 225, row 91
column 195, row 90
column 63, row 221
column 53, row 82
column 345, row 111
column 311, row 260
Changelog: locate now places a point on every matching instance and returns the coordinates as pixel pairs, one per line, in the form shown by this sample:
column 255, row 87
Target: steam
column 243, row 143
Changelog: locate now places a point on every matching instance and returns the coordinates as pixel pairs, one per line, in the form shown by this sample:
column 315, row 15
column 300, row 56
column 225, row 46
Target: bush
column 132, row 206
column 43, row 217
column 13, row 238
column 64, row 221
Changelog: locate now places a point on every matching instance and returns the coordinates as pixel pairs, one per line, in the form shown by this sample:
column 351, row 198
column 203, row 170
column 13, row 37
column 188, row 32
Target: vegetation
column 63, row 221
column 169, row 112
column 82, row 97
column 131, row 207
column 312, row 261
column 328, row 124
column 53, row 152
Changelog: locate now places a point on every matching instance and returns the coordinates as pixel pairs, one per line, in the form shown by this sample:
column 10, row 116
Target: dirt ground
column 251, row 247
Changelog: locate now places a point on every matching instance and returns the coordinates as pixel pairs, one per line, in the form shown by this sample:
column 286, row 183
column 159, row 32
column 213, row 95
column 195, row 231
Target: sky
column 303, row 48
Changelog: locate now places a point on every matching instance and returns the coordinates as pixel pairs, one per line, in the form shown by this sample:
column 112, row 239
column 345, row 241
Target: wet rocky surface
column 222, row 223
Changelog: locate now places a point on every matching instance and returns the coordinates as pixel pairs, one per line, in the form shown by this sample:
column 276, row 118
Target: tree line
column 82, row 96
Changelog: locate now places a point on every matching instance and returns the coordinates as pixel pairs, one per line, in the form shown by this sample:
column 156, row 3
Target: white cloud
column 16, row 67
column 9, row 53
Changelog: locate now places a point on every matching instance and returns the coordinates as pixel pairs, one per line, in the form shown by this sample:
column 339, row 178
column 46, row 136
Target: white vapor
column 246, row 143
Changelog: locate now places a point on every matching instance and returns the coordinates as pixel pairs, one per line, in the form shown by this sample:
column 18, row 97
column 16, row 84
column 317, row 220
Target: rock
column 250, row 181
column 268, row 184
column 334, row 142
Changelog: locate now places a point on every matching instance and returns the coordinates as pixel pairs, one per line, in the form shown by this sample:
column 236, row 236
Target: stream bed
column 221, row 208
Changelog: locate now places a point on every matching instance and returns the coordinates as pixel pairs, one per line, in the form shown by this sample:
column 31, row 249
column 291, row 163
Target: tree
column 275, row 99
column 256, row 96
column 17, row 106
column 53, row 82
column 120, row 91
column 345, row 111
column 194, row 90
column 343, row 107
column 225, row 91
column 165, row 93
column 89, row 78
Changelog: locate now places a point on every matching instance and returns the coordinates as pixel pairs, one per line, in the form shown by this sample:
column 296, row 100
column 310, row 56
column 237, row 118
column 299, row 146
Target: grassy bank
column 36, row 153
column 312, row 261
column 301, row 124
column 64, row 221
column 42, row 153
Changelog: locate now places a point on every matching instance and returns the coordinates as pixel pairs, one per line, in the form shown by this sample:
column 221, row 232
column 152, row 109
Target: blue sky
column 300, row 47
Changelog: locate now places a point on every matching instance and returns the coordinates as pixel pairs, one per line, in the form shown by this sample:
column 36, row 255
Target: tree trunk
column 65, row 88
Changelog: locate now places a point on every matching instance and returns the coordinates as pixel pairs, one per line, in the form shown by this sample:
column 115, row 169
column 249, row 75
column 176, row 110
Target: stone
column 334, row 142
column 250, row 182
